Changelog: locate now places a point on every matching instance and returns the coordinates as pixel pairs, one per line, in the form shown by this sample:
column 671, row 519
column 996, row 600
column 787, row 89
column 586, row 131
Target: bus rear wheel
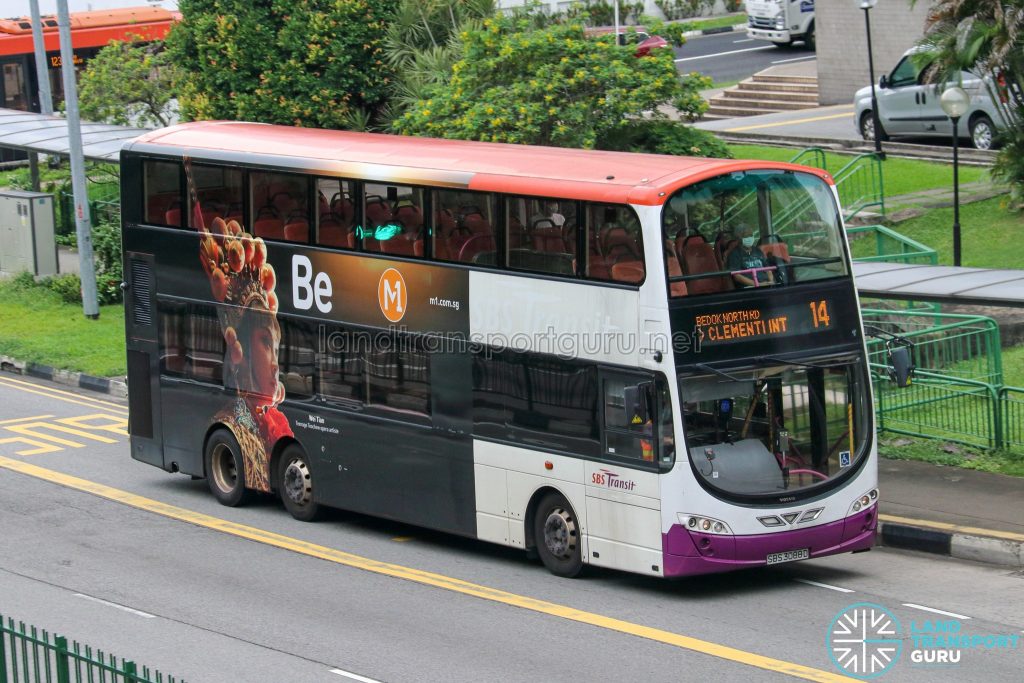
column 556, row 533
column 295, row 485
column 225, row 469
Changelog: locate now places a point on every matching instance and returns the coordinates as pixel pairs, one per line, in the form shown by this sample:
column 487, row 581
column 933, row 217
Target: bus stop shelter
column 49, row 135
column 940, row 284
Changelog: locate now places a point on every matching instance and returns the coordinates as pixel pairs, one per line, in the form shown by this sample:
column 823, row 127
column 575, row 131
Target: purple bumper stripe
column 689, row 552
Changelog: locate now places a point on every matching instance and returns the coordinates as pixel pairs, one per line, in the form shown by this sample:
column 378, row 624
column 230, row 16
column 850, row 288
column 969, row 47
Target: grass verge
column 715, row 22
column 901, row 176
column 37, row 326
column 899, row 447
column 990, row 234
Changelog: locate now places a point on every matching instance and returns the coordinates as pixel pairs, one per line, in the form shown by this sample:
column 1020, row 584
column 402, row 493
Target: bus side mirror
column 637, row 401
column 901, row 364
column 883, row 82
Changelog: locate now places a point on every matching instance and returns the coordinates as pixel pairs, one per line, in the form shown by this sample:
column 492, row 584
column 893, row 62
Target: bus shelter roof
column 947, row 284
column 44, row 134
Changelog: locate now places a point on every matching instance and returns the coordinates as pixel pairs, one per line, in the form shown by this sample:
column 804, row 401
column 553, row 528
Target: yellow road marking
column 24, row 419
column 789, row 123
column 27, row 430
column 423, row 577
column 60, row 395
column 114, row 424
column 402, row 539
column 943, row 526
column 41, row 447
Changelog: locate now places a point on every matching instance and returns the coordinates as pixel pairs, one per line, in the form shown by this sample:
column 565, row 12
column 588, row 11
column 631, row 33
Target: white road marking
column 116, row 606
column 745, row 40
column 794, row 59
column 937, row 611
column 354, row 677
column 730, row 52
column 823, row 585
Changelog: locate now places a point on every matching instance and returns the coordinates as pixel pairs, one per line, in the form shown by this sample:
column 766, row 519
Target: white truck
column 781, row 21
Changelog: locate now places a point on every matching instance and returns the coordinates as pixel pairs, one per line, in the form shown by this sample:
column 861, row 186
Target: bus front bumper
column 688, row 552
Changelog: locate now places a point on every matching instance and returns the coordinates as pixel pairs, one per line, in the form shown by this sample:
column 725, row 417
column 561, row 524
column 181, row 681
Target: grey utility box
column 26, row 233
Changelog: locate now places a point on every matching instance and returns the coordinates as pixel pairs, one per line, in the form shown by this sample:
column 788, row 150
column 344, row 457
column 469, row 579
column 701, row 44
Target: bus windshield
column 776, row 428
column 764, row 228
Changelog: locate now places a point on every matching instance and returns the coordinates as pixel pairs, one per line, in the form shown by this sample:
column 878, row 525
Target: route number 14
column 819, row 313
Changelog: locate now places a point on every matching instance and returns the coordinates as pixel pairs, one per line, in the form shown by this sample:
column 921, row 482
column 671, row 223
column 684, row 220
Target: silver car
column 909, row 106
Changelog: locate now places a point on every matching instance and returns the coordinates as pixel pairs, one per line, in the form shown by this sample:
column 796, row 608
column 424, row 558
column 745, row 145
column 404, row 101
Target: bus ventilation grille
column 142, row 283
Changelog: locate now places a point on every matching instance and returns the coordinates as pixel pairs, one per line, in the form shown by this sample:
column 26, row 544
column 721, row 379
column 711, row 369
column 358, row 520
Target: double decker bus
column 649, row 363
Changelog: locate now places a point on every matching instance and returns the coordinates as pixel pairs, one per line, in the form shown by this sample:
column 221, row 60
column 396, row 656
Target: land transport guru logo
column 864, row 640
column 392, row 295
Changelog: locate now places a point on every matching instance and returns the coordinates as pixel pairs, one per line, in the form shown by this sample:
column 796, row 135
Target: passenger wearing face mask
column 748, row 255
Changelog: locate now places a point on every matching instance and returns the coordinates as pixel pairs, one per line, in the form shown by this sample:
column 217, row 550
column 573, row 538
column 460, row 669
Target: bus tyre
column 557, row 536
column 225, row 469
column 295, row 485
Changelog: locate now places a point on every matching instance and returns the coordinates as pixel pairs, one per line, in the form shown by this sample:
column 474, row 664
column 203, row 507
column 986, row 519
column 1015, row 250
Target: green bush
column 23, row 281
column 68, row 286
column 671, row 137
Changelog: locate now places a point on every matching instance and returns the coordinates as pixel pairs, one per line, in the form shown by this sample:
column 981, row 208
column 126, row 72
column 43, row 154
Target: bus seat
column 297, row 230
column 283, row 203
column 473, row 246
column 409, row 215
column 549, row 239
column 331, row 233
column 698, row 257
column 628, row 271
column 673, row 269
column 173, row 217
column 777, row 249
column 418, row 248
column 377, row 211
column 616, row 244
column 477, row 224
column 269, row 227
column 341, row 207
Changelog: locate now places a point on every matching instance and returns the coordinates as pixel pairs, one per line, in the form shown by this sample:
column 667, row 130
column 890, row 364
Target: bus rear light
column 707, row 525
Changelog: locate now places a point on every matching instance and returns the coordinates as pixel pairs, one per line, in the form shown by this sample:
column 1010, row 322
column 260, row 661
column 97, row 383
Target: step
column 761, row 105
column 792, row 80
column 809, row 98
column 728, row 111
column 750, row 84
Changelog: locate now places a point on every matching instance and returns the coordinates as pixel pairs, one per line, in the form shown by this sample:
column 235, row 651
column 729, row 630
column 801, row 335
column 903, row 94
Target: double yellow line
column 408, row 573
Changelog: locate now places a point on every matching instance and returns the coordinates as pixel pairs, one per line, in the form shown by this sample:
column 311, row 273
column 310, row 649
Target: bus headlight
column 706, row 525
column 865, row 501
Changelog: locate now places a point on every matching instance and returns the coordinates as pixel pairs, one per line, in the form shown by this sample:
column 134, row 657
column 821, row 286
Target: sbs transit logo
column 392, row 295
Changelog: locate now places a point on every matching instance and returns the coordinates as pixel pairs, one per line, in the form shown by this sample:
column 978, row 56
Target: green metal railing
column 889, row 246
column 861, row 185
column 938, row 406
column 954, row 345
column 31, row 655
column 1011, row 418
column 811, row 156
column 104, row 207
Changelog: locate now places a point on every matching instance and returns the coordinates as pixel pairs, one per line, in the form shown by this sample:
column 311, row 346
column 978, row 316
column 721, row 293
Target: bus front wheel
column 556, row 533
column 225, row 469
column 295, row 484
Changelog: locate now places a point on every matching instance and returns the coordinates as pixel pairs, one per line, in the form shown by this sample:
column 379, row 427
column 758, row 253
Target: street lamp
column 866, row 5
column 954, row 102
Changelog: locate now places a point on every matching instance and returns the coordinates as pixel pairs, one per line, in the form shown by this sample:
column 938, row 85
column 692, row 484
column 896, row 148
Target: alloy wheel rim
column 225, row 470
column 297, row 482
column 560, row 534
column 982, row 136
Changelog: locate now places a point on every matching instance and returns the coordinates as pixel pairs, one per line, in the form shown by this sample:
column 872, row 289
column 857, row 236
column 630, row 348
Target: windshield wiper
column 708, row 368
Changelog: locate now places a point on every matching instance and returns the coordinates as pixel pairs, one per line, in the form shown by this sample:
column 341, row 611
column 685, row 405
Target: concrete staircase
column 764, row 93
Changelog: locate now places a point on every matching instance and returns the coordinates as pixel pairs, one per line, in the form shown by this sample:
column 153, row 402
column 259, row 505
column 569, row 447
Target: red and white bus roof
column 88, row 29
column 617, row 177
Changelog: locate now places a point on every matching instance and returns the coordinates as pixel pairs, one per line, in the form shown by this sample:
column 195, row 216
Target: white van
column 910, row 106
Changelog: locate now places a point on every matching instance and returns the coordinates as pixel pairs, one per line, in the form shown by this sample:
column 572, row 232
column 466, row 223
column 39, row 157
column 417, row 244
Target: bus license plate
column 789, row 556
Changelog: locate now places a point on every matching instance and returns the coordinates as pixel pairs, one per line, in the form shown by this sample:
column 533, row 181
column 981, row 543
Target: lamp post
column 866, row 5
column 954, row 102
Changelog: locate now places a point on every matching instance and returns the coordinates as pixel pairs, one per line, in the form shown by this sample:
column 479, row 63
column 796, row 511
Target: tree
column 297, row 62
column 987, row 38
column 551, row 85
column 129, row 83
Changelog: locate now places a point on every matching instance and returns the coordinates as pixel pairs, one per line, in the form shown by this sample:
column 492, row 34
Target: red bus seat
column 697, row 257
column 297, row 230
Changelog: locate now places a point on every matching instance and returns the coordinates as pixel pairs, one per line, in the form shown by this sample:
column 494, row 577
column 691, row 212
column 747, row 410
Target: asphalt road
column 146, row 565
column 728, row 57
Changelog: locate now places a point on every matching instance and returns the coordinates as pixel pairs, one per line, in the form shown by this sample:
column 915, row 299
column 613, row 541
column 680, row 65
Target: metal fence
column 1011, row 418
column 31, row 655
column 889, row 246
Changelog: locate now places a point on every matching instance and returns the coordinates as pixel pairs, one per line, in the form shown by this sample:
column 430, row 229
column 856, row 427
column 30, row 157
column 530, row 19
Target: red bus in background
column 90, row 31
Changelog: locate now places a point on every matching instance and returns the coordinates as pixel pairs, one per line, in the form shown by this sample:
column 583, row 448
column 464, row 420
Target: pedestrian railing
column 937, row 406
column 31, row 655
column 860, row 185
column 950, row 344
column 888, row 246
column 1011, row 418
